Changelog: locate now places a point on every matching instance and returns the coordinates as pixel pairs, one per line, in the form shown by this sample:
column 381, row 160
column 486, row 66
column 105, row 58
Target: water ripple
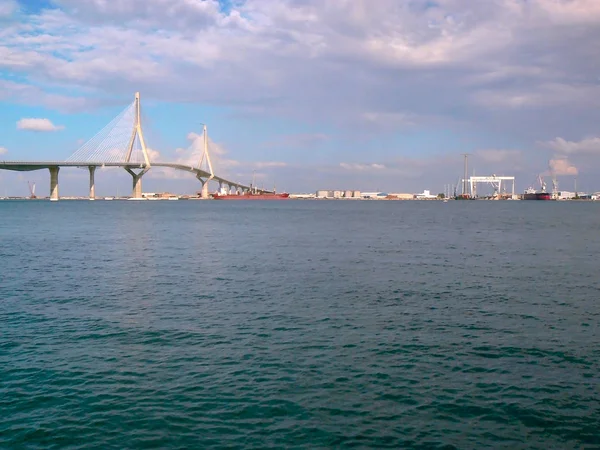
column 298, row 325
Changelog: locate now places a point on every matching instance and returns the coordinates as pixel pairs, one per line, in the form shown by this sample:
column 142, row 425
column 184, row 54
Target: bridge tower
column 205, row 155
column 137, row 132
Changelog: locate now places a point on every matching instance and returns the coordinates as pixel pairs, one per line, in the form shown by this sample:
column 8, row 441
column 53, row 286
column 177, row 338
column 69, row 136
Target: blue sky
column 310, row 94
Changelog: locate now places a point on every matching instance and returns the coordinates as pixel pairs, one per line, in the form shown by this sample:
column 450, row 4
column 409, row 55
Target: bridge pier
column 204, row 181
column 92, row 183
column 54, row 183
column 137, row 181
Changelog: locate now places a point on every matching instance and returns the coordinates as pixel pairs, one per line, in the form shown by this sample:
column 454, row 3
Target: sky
column 309, row 94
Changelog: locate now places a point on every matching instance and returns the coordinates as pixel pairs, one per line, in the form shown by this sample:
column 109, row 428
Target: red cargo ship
column 542, row 194
column 535, row 195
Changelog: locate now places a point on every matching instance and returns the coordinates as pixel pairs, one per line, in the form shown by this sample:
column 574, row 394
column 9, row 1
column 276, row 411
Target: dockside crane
column 554, row 183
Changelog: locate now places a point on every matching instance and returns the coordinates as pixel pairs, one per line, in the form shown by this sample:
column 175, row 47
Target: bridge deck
column 27, row 166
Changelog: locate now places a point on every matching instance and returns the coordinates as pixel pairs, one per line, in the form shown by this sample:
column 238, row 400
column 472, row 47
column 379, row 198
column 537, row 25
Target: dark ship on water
column 541, row 193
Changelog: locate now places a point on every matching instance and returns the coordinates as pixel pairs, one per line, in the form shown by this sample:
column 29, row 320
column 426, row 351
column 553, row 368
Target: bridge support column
column 204, row 181
column 137, row 181
column 54, row 183
column 92, row 183
column 137, row 186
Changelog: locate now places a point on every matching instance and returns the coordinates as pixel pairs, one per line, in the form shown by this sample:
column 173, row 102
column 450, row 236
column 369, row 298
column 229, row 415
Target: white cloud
column 197, row 144
column 179, row 14
column 265, row 164
column 32, row 124
column 192, row 155
column 542, row 94
column 361, row 167
column 564, row 147
column 570, row 11
column 222, row 165
column 153, row 155
column 562, row 167
column 8, row 8
column 3, row 150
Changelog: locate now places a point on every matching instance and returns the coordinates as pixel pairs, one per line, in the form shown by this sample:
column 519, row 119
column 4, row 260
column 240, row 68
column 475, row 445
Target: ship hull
column 537, row 196
column 251, row 197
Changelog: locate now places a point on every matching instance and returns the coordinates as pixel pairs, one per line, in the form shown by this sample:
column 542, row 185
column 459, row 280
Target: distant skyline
column 310, row 94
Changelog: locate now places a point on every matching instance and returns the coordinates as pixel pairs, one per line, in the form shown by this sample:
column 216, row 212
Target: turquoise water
column 299, row 324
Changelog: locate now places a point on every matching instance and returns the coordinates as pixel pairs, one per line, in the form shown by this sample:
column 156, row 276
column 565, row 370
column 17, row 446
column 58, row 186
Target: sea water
column 299, row 324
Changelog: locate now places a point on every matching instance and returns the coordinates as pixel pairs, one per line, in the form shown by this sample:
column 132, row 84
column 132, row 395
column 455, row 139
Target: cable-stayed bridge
column 121, row 143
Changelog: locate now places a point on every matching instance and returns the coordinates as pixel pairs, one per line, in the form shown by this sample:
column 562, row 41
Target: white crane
column 542, row 182
column 554, row 184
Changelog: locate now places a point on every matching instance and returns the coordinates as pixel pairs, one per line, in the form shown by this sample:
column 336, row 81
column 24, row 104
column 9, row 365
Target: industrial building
column 374, row 195
column 425, row 195
column 302, row 196
column 338, row 194
column 400, row 196
column 565, row 195
column 158, row 195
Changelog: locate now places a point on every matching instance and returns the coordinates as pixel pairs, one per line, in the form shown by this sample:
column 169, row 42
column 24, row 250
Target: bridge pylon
column 137, row 132
column 205, row 155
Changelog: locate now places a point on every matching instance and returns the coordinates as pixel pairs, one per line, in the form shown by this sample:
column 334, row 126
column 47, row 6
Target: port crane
column 554, row 184
column 495, row 181
column 542, row 182
column 31, row 190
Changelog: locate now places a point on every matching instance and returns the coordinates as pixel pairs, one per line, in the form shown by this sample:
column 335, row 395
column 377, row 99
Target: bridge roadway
column 54, row 166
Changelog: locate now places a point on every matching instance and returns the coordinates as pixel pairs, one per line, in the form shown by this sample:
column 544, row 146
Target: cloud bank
column 38, row 125
column 562, row 167
column 564, row 147
column 387, row 63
